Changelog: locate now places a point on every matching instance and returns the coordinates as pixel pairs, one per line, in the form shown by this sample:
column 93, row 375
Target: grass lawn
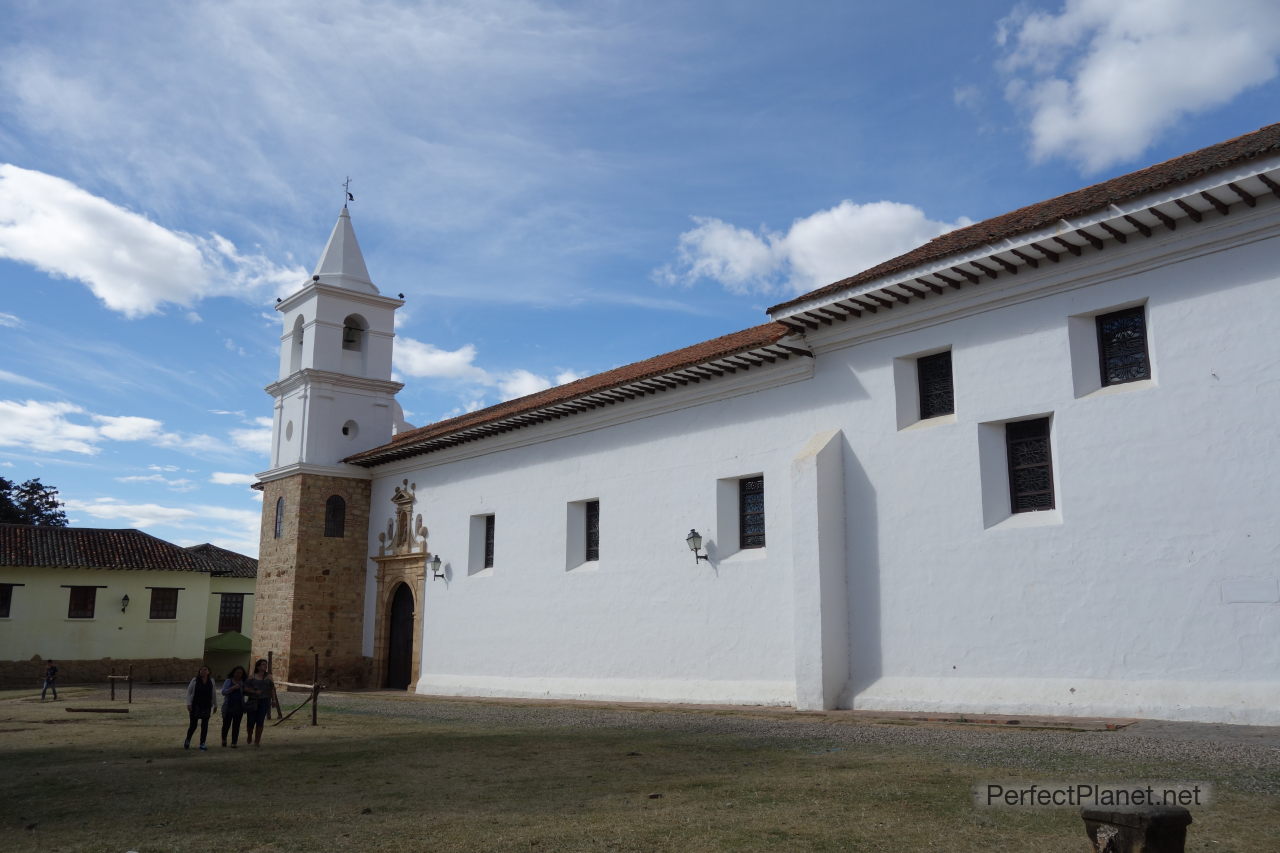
column 371, row 777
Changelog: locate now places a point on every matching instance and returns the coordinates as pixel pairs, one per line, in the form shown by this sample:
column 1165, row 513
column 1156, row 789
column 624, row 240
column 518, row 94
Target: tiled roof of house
column 90, row 548
column 1073, row 204
column 727, row 345
column 224, row 563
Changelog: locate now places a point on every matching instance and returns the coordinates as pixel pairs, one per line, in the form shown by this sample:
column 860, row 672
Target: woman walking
column 258, row 689
column 233, row 705
column 199, row 706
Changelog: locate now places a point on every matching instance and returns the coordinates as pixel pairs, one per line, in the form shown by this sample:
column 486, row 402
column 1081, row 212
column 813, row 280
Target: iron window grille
column 164, row 603
column 1030, row 465
column 81, row 601
column 937, row 394
column 751, row 512
column 488, row 541
column 593, row 530
column 1122, row 346
column 231, row 612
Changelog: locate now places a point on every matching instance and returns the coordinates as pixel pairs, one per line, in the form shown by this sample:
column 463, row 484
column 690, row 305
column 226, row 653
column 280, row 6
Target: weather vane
column 346, row 185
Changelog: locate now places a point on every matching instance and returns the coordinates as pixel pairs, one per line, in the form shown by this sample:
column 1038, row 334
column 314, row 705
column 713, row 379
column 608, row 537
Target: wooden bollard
column 1140, row 829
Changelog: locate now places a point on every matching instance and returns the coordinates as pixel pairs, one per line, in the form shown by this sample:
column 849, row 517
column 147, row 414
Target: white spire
column 342, row 265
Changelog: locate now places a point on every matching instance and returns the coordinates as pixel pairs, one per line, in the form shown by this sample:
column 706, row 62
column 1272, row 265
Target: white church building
column 1026, row 468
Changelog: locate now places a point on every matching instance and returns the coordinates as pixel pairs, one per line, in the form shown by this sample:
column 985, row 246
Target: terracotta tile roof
column 224, row 563
column 89, row 548
column 1079, row 203
column 726, row 345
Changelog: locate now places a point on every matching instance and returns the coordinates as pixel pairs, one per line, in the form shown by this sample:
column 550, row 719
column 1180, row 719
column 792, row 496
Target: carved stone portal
column 402, row 558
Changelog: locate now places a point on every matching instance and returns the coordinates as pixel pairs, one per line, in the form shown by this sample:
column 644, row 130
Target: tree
column 31, row 502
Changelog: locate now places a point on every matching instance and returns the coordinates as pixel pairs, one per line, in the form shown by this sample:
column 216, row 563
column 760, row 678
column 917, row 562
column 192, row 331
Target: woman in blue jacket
column 233, row 705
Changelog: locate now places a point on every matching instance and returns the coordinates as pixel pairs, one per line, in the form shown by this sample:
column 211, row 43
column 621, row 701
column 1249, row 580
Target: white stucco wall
column 1150, row 591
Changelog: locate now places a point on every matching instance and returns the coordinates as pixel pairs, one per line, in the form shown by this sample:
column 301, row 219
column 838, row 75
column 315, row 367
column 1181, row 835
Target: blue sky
column 557, row 189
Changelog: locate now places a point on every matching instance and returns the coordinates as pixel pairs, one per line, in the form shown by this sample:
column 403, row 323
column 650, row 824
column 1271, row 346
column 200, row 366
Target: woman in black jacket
column 199, row 706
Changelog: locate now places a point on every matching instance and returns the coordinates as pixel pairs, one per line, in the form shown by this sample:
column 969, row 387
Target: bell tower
column 333, row 397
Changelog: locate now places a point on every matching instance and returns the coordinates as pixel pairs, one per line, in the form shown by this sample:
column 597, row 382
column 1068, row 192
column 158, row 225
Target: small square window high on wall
column 937, row 394
column 751, row 512
column 231, row 612
column 81, row 602
column 592, row 509
column 1122, row 346
column 164, row 603
column 1030, row 465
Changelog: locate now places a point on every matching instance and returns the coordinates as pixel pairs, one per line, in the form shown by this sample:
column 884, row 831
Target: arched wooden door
column 400, row 639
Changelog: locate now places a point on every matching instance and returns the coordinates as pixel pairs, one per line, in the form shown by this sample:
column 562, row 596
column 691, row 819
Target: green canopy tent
column 224, row 651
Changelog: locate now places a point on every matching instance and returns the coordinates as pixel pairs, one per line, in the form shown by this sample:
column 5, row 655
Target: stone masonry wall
column 310, row 591
column 30, row 673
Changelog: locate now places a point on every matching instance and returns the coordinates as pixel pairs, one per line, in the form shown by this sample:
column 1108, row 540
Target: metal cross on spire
column 346, row 185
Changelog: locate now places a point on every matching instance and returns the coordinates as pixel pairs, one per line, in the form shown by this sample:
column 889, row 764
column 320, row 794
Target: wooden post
column 315, row 688
column 111, row 679
column 273, row 701
column 130, row 684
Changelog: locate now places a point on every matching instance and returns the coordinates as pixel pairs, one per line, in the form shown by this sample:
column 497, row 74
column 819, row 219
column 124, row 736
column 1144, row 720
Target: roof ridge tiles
column 1042, row 214
column 639, row 371
column 94, row 548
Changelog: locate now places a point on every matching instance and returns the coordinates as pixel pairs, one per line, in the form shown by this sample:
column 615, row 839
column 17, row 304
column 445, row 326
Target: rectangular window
column 164, row 603
column 6, row 599
column 231, row 612
column 1122, row 346
column 751, row 512
column 593, row 530
column 81, row 602
column 937, row 396
column 1030, row 465
column 488, row 541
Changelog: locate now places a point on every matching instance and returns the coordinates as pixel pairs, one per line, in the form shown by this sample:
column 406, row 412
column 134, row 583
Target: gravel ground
column 1246, row 758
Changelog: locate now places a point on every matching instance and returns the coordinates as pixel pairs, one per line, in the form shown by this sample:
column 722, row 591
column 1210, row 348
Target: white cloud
column 256, row 439
column 415, row 358
column 129, row 262
column 452, row 91
column 422, row 360
column 66, row 427
column 1102, row 79
column 227, row 527
column 819, row 249
column 169, row 468
column 133, row 515
column 10, row 320
column 518, row 383
column 45, row 427
column 18, row 379
column 225, row 478
column 127, row 428
column 178, row 484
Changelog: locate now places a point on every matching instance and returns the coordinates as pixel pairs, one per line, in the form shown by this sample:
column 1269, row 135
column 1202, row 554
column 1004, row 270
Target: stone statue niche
column 404, row 535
